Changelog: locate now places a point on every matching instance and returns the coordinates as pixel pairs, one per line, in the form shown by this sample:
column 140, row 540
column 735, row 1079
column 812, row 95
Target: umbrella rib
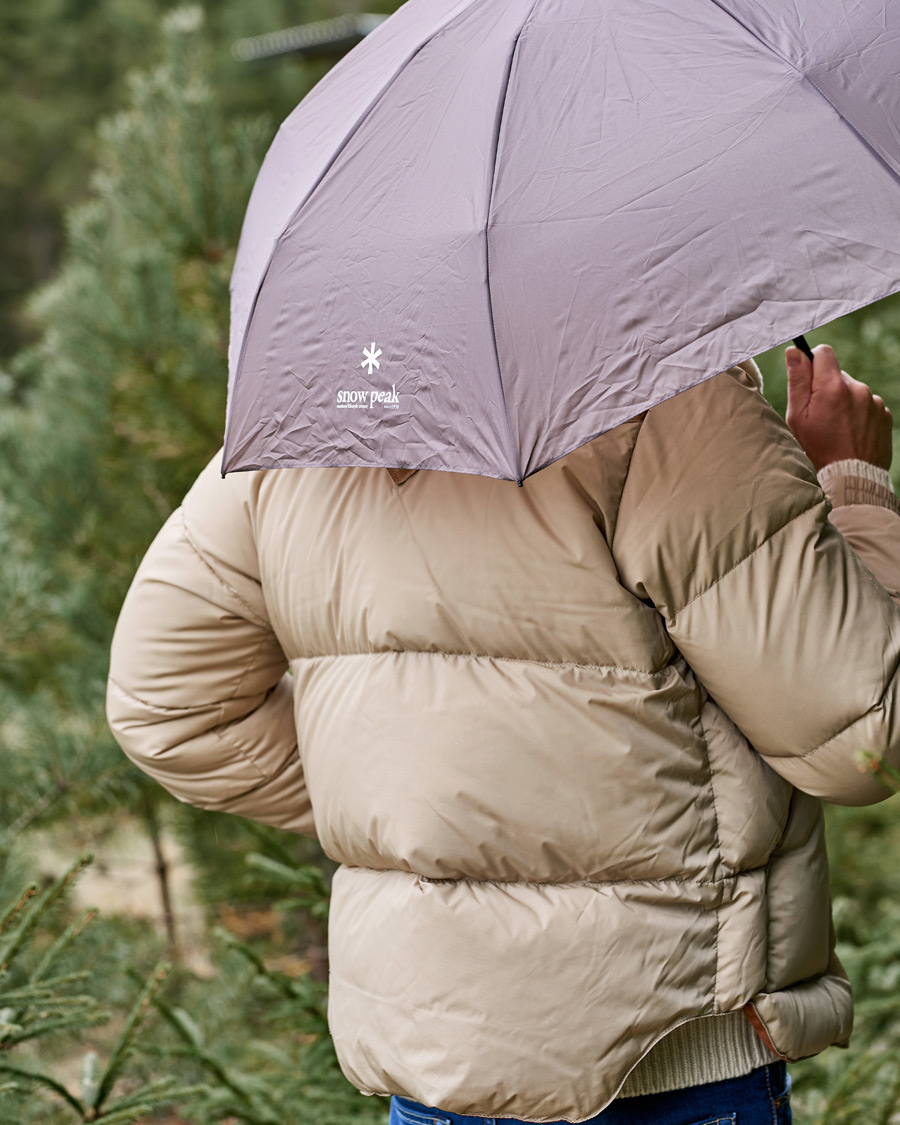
column 788, row 62
column 487, row 243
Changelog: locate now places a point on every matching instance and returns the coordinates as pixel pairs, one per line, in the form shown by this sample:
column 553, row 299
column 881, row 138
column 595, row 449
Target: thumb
column 800, row 375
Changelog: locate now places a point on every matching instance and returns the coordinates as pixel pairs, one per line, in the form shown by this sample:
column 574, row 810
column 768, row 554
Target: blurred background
column 157, row 962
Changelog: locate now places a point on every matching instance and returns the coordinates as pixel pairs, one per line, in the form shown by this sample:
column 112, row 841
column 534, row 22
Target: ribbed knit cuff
column 858, row 482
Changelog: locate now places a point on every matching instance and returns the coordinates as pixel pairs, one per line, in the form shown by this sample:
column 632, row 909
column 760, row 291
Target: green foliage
column 125, row 401
column 60, row 61
column 282, row 1070
column 37, row 1001
column 249, row 1045
column 63, row 66
column 861, row 1084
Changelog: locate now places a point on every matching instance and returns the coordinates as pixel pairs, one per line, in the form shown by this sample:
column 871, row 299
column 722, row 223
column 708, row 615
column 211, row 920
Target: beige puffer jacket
column 552, row 734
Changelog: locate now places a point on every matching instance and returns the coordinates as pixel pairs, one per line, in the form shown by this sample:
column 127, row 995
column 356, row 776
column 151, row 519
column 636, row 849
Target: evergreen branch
column 44, row 988
column 184, row 1029
column 48, row 1001
column 283, row 983
column 62, row 787
column 75, row 1019
column 270, row 839
column 163, row 1091
column 316, row 909
column 887, row 1112
column 122, row 1049
column 89, row 1077
column 49, row 797
column 129, row 1115
column 29, row 892
column 66, row 938
column 306, row 877
column 314, row 892
column 39, row 907
column 232, row 942
column 44, row 1080
column 850, row 1081
column 303, row 994
column 140, row 1110
column 18, row 1001
column 880, row 768
column 26, row 994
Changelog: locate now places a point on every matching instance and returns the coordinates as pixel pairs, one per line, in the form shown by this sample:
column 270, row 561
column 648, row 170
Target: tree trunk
column 151, row 821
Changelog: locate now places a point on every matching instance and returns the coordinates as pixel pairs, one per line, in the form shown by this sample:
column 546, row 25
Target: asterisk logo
column 371, row 359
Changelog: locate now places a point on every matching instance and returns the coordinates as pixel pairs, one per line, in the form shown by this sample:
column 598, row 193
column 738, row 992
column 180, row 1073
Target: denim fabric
column 759, row 1098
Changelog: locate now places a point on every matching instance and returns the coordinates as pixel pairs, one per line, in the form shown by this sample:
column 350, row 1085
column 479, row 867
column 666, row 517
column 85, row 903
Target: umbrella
column 499, row 228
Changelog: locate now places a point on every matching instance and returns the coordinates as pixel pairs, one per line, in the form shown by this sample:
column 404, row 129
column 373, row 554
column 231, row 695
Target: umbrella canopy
column 498, row 228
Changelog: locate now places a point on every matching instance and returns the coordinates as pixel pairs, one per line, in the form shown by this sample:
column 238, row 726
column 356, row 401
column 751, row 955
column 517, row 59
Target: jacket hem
column 760, row 1028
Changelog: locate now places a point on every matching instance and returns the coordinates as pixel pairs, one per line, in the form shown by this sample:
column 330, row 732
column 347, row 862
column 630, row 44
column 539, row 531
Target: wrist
column 853, row 481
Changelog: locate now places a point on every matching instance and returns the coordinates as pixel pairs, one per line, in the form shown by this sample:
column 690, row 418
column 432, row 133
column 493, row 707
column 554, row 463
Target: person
column 568, row 742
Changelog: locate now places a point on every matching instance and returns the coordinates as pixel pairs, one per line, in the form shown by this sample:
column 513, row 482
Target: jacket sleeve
column 865, row 510
column 724, row 527
column 198, row 696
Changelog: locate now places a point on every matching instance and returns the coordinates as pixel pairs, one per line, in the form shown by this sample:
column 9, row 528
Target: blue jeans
column 759, row 1098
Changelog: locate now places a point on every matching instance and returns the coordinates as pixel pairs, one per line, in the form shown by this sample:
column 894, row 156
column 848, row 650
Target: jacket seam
column 223, row 731
column 245, row 605
column 878, row 704
column 491, row 656
column 678, row 879
column 251, row 616
column 720, row 578
column 759, row 1026
column 217, row 730
column 247, row 755
column 158, row 709
column 718, row 841
column 838, row 734
column 216, row 706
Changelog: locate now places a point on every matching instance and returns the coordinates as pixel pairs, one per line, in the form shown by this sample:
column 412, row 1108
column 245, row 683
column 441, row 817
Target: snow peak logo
column 366, row 399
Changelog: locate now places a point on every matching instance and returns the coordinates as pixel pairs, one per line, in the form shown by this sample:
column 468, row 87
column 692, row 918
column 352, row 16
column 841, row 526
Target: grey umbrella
column 498, row 228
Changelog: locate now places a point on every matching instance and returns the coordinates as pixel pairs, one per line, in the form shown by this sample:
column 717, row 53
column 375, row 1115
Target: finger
column 800, row 375
column 826, row 370
column 860, row 392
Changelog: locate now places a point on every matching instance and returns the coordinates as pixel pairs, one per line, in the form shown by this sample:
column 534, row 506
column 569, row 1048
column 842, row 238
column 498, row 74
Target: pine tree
column 249, row 1045
column 126, row 405
column 40, row 999
column 62, row 67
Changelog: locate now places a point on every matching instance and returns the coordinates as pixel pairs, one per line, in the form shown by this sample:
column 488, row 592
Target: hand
column 832, row 415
